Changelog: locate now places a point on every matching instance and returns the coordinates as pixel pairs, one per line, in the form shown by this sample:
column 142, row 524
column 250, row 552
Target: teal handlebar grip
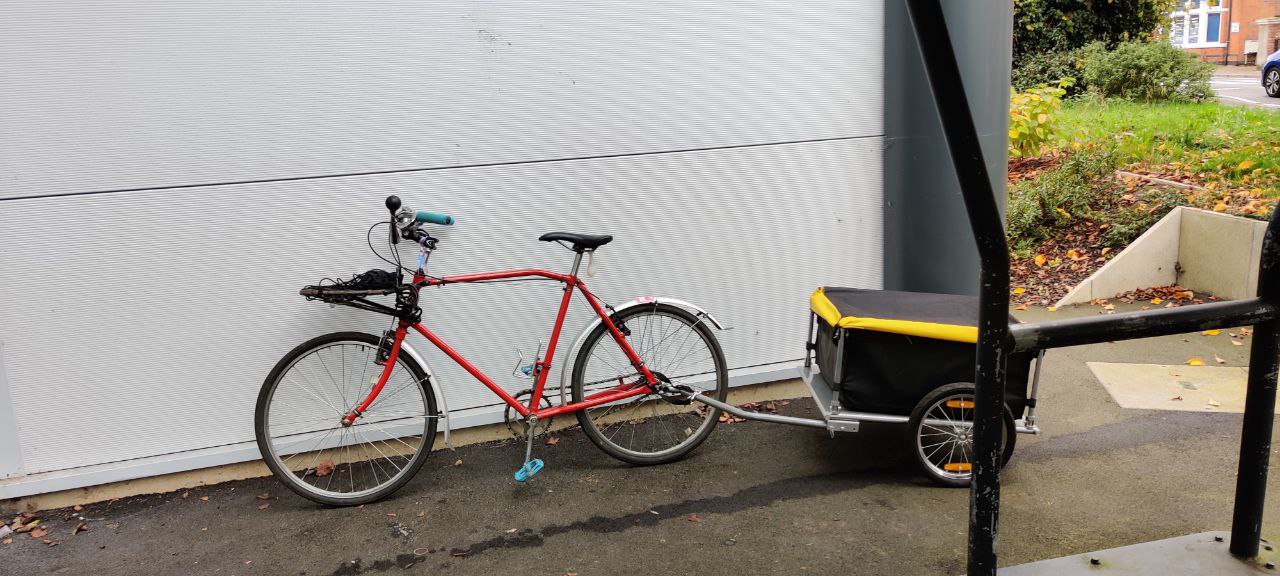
column 433, row 218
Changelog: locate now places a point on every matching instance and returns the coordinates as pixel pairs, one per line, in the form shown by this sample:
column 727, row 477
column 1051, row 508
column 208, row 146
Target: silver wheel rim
column 307, row 441
column 648, row 426
column 944, row 438
column 1273, row 82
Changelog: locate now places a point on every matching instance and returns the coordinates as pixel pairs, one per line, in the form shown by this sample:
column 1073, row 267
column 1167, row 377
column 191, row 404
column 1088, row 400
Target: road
column 1243, row 87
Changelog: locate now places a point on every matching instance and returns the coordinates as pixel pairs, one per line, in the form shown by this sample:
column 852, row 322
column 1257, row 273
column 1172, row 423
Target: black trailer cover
column 899, row 346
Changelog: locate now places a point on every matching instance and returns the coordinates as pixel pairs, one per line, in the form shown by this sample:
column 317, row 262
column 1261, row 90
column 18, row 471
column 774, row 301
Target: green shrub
column 1058, row 196
column 1035, row 69
column 1146, row 71
column 1032, row 117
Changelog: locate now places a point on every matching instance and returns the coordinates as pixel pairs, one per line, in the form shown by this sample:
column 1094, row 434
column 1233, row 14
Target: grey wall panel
column 126, row 94
column 145, row 324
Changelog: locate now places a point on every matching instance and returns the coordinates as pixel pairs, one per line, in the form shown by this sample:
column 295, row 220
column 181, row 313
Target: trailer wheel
column 940, row 430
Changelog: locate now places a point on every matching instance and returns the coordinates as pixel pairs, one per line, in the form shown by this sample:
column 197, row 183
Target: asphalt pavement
column 1242, row 86
column 755, row 499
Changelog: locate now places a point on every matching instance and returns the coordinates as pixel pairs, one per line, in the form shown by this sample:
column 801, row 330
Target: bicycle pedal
column 528, row 470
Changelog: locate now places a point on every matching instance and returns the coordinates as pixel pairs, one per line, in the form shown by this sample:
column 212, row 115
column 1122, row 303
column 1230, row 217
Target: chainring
column 517, row 425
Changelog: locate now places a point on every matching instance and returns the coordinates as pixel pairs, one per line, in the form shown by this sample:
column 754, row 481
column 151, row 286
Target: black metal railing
column 997, row 339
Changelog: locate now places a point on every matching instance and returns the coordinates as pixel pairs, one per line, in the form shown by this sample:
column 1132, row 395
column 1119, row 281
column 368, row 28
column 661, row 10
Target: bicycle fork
column 388, row 366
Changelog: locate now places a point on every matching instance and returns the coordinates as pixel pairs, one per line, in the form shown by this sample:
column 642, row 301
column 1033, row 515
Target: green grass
column 1232, row 146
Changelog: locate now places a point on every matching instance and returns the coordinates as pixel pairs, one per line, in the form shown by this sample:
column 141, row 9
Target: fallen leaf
column 1156, row 300
column 1237, row 343
column 50, row 543
column 1053, row 308
column 422, row 514
column 264, row 496
column 1176, row 399
column 264, row 505
column 1183, row 295
column 204, row 498
column 1195, row 361
column 324, row 468
column 1246, row 332
column 459, row 553
column 458, row 463
column 7, row 541
column 1219, row 207
column 1211, row 332
column 392, row 515
column 185, row 494
column 553, row 440
column 1020, row 307
column 39, row 533
column 1213, row 403
column 1244, row 165
column 77, row 507
column 1019, row 290
column 1105, row 250
column 511, row 531
column 693, row 518
column 1109, row 307
column 1074, row 254
column 1219, row 359
column 1040, row 259
column 81, row 527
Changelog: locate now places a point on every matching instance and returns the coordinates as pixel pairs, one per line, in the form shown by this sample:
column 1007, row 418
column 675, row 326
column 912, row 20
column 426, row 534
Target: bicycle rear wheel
column 678, row 348
column 298, row 421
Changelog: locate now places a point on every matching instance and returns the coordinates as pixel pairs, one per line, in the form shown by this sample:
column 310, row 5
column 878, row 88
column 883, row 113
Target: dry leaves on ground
column 324, row 467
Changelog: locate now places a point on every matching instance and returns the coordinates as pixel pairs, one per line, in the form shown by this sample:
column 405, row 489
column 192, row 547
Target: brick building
column 1226, row 31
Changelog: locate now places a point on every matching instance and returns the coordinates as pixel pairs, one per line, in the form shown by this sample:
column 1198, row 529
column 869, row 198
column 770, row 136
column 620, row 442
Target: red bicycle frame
column 542, row 367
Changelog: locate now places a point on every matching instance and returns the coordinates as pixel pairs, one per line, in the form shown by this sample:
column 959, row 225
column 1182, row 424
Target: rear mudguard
column 572, row 353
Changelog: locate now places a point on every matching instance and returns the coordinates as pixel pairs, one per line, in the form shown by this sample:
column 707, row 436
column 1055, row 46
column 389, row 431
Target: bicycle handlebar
column 433, row 218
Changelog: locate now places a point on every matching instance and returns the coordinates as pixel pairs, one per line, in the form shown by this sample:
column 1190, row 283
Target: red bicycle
column 348, row 418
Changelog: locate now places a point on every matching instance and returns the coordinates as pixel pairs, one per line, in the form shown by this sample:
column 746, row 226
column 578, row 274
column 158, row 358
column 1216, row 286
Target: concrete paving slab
column 1190, row 555
column 1174, row 387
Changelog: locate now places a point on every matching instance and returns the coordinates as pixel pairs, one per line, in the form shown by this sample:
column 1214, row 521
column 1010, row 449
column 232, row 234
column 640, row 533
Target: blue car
column 1271, row 75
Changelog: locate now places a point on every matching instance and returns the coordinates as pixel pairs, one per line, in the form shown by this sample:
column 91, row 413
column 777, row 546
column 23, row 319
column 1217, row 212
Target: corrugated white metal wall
column 171, row 173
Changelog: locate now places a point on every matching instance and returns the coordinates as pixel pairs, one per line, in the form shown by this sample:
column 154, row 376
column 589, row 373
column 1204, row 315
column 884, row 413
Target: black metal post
column 1145, row 324
column 1259, row 407
column 993, row 300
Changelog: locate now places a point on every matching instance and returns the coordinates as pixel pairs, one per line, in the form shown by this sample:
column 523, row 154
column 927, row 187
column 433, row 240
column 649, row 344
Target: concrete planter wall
column 1202, row 251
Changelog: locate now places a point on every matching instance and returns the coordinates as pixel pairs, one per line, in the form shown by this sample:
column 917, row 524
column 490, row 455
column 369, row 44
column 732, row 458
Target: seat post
column 577, row 261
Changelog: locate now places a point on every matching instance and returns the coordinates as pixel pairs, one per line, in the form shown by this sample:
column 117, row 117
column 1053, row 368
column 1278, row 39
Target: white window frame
column 1203, row 10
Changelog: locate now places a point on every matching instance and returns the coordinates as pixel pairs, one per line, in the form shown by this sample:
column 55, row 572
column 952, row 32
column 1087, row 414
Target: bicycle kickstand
column 531, row 466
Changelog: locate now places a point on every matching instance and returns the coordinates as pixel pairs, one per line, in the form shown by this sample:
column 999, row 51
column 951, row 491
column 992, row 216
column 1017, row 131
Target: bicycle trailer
column 883, row 351
column 908, row 357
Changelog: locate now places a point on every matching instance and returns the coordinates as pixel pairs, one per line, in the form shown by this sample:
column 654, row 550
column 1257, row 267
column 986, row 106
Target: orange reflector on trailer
column 958, row 467
column 960, row 404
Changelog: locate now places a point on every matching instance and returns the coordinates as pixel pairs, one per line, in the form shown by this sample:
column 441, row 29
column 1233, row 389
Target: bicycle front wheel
column 298, row 421
column 678, row 348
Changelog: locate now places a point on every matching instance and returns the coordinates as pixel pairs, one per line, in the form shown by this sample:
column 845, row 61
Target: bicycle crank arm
column 749, row 415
